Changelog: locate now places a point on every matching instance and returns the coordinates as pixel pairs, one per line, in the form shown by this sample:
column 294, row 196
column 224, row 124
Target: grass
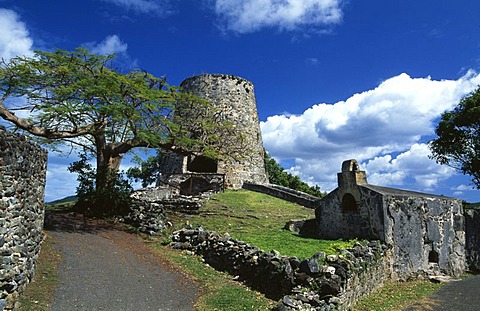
column 60, row 207
column 252, row 217
column 259, row 219
column 38, row 295
column 398, row 295
column 218, row 290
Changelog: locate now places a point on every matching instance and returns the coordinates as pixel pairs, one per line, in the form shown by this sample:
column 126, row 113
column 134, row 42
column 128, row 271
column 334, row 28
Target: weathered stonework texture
column 425, row 232
column 22, row 185
column 472, row 239
column 235, row 98
column 322, row 282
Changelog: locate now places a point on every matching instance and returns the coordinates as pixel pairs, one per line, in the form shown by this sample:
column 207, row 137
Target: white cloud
column 464, row 188
column 158, row 7
column 312, row 61
column 384, row 129
column 110, row 45
column 60, row 182
column 251, row 15
column 15, row 39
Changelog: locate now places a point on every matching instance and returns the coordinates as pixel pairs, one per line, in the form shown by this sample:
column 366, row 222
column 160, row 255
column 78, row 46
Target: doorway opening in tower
column 201, row 164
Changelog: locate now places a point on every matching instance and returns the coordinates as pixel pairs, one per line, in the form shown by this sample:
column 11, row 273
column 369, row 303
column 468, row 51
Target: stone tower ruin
column 234, row 97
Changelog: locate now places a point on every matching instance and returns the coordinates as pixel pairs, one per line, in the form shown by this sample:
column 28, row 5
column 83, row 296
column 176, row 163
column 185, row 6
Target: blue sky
column 334, row 79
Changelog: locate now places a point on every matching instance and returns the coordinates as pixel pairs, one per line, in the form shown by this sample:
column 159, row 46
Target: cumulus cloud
column 385, row 129
column 15, row 39
column 110, row 45
column 251, row 15
column 157, row 7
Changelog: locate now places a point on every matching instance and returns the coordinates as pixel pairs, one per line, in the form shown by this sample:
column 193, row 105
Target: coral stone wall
column 472, row 239
column 333, row 282
column 235, row 98
column 22, row 184
column 426, row 232
column 427, row 235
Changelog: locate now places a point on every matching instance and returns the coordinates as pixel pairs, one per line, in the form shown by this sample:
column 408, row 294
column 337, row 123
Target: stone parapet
column 284, row 193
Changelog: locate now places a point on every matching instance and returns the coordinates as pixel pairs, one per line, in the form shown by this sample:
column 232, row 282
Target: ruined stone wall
column 22, row 184
column 322, row 282
column 235, row 99
column 427, row 235
column 365, row 221
column 284, row 193
column 472, row 239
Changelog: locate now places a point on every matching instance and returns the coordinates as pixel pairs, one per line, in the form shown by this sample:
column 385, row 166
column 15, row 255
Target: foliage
column 458, row 142
column 467, row 205
column 148, row 170
column 78, row 98
column 278, row 176
column 113, row 198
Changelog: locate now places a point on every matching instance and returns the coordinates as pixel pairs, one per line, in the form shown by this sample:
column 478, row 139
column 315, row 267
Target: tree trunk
column 107, row 162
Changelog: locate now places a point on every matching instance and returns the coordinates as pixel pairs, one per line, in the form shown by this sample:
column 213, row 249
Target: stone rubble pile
column 147, row 210
column 147, row 217
column 318, row 283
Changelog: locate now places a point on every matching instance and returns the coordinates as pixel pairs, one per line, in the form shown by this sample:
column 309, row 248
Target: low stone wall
column 284, row 193
column 472, row 239
column 22, row 184
column 321, row 282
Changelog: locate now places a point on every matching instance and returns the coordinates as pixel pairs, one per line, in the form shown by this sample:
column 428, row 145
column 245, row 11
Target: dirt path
column 107, row 269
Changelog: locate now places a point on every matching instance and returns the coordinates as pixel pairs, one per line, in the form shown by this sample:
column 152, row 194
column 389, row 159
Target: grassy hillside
column 259, row 219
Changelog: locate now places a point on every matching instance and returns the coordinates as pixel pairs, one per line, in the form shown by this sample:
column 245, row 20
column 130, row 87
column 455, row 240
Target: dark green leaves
column 458, row 142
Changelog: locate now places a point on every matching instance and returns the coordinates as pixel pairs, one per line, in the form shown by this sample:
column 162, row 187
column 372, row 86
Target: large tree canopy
column 458, row 142
column 76, row 97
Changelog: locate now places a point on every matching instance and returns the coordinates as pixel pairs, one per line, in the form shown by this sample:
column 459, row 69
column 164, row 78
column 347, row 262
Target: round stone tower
column 235, row 100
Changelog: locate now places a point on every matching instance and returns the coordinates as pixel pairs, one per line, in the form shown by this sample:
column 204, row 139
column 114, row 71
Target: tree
column 278, row 176
column 78, row 98
column 148, row 170
column 458, row 142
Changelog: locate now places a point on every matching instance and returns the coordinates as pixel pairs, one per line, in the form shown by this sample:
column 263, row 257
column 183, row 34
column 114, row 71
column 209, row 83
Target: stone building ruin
column 425, row 232
column 235, row 98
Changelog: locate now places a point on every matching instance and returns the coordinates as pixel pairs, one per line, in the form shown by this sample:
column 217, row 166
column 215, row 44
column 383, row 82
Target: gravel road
column 108, row 269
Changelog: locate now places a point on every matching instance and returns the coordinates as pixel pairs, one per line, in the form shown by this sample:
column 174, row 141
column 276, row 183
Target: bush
column 110, row 199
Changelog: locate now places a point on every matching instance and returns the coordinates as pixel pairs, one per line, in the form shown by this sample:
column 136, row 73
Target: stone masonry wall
column 234, row 97
column 472, row 239
column 333, row 282
column 427, row 235
column 426, row 232
column 22, row 184
column 284, row 194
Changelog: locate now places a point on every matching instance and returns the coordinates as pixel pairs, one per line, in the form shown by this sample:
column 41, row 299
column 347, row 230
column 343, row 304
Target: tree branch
column 38, row 131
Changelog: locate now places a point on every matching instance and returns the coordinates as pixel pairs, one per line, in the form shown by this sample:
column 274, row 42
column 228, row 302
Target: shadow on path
column 108, row 269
